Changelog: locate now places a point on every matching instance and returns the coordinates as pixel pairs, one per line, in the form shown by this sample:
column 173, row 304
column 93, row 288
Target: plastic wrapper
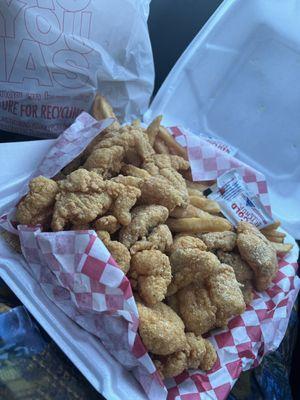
column 77, row 272
column 55, row 55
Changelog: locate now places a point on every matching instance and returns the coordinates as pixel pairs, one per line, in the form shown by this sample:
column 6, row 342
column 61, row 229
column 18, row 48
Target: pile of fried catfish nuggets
column 189, row 269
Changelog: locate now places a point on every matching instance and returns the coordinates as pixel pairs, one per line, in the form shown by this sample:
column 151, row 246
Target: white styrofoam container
column 239, row 80
column 236, row 81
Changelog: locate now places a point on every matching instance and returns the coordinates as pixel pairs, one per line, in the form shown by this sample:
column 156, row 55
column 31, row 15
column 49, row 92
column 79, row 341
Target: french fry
column 195, row 192
column 282, row 247
column 102, row 109
column 160, row 147
column 201, row 186
column 275, row 239
column 189, row 212
column 271, row 227
column 275, row 234
column 171, row 143
column 153, row 129
column 198, row 225
column 205, row 204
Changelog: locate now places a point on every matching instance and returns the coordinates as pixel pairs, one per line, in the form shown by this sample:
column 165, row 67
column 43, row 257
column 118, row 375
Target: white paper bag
column 55, row 55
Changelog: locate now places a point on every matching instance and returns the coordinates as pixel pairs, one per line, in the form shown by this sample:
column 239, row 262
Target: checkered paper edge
column 247, row 339
column 211, row 159
column 79, row 275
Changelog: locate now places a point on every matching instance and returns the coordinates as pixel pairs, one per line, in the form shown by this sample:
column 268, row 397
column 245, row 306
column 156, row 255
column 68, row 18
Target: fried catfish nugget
column 159, row 190
column 259, row 253
column 161, row 329
column 191, row 265
column 166, row 166
column 82, row 181
column 196, row 309
column 225, row 294
column 134, row 171
column 78, row 208
column 161, row 161
column 119, row 252
column 129, row 181
column 37, row 206
column 82, row 198
column 133, row 140
column 105, row 161
column 144, row 219
column 198, row 353
column 225, row 241
column 152, row 271
column 243, row 272
column 185, row 241
column 125, row 198
column 159, row 239
column 85, row 196
column 107, row 223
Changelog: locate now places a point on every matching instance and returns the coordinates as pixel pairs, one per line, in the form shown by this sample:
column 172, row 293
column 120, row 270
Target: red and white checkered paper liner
column 79, row 274
column 211, row 158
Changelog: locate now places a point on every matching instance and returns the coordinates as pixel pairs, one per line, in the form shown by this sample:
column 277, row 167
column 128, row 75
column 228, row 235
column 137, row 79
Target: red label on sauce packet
column 237, row 202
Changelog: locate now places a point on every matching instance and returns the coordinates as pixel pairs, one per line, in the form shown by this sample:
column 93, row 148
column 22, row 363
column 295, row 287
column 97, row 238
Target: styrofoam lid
column 239, row 80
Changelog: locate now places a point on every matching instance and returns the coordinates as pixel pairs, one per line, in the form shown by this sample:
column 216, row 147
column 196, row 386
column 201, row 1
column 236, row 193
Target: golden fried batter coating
column 247, row 290
column 159, row 239
column 107, row 161
column 78, row 208
column 196, row 309
column 119, row 252
column 107, row 223
column 36, row 207
column 171, row 365
column 219, row 240
column 242, row 270
column 225, row 294
column 161, row 329
column 132, row 170
column 129, row 181
column 152, row 270
column 144, row 218
column 169, row 161
column 85, row 196
column 166, row 165
column 210, row 357
column 82, row 181
column 258, row 252
column 125, row 198
column 198, row 352
column 141, row 245
column 131, row 139
column 191, row 265
column 186, row 241
column 178, row 182
column 158, row 190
